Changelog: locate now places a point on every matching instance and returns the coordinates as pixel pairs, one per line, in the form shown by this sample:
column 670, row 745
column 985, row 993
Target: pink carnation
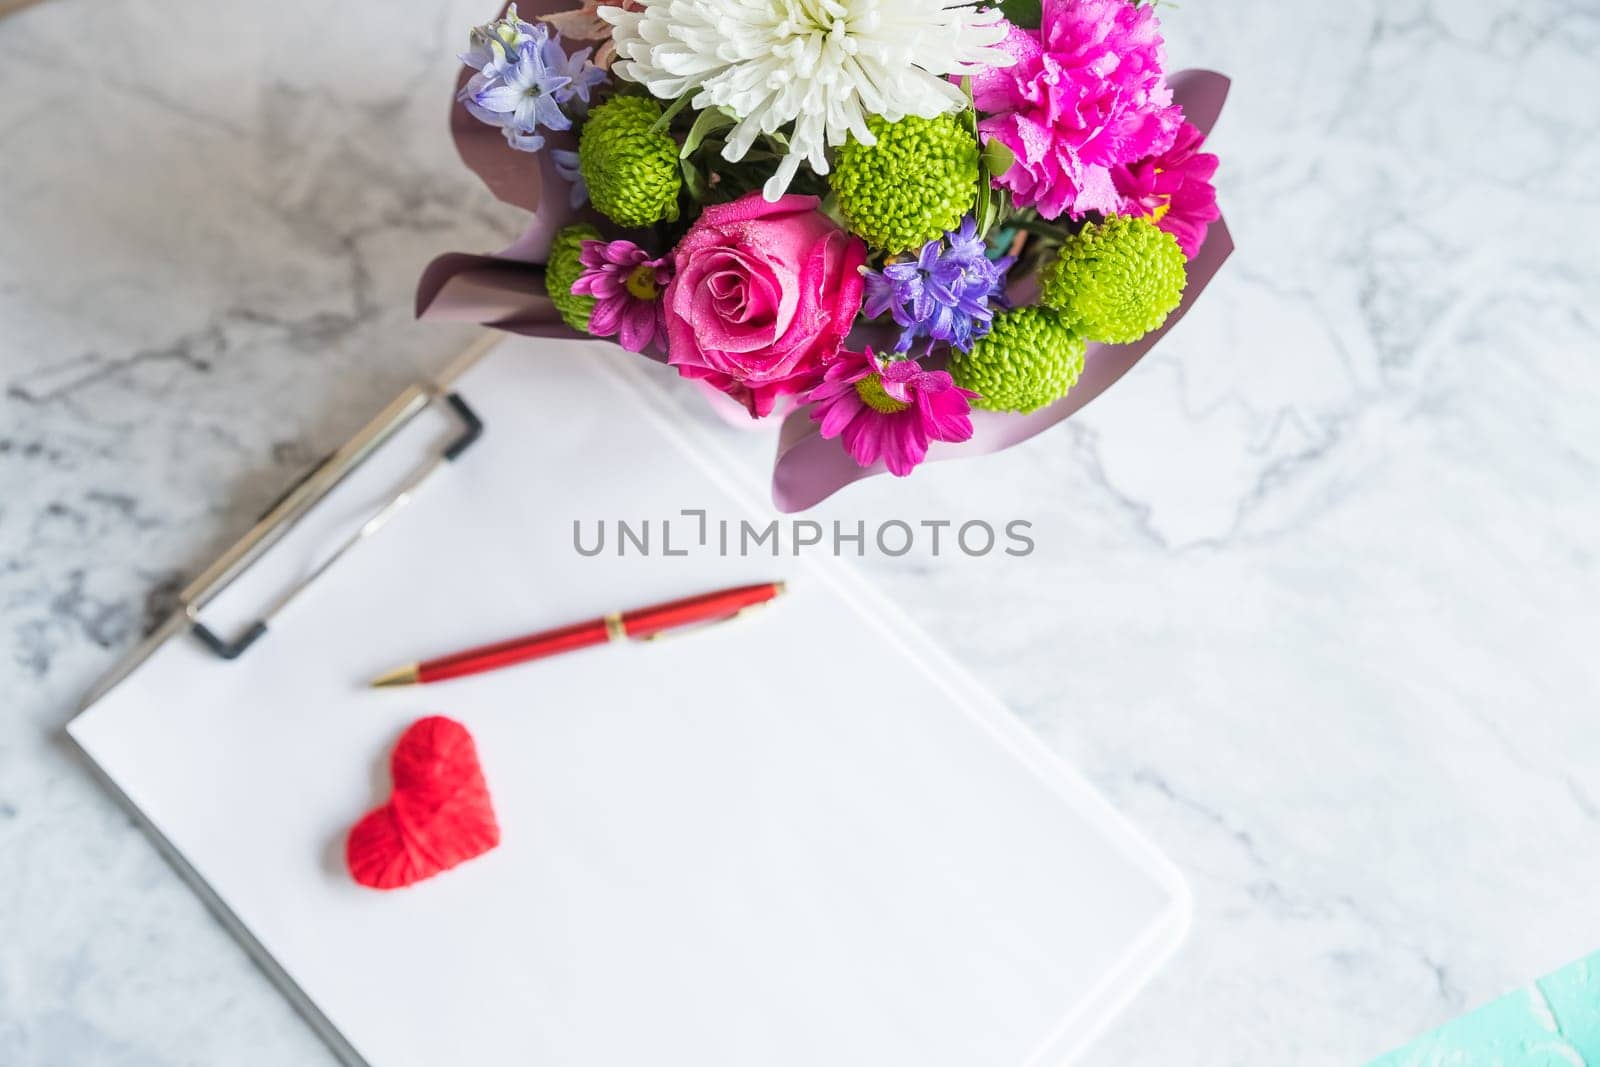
column 1174, row 188
column 763, row 297
column 1087, row 92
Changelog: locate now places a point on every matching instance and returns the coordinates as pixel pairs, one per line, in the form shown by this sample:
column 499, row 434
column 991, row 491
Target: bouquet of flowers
column 909, row 228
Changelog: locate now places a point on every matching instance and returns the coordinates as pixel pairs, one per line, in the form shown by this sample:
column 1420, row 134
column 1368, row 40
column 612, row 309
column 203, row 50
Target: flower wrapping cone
column 507, row 291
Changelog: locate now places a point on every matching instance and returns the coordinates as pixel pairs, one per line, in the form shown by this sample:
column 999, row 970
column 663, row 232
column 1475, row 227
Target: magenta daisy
column 1173, row 189
column 889, row 410
column 626, row 283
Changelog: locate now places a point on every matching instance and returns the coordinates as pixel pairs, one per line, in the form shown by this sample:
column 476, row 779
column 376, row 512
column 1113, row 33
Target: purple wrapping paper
column 507, row 291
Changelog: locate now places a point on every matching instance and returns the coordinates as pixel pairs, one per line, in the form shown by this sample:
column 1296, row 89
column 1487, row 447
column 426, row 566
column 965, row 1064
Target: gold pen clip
column 662, row 635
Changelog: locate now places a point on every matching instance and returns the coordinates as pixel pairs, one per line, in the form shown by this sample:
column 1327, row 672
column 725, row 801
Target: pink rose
column 763, row 297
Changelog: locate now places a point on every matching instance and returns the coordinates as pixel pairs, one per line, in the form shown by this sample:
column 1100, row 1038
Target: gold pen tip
column 406, row 675
column 779, row 588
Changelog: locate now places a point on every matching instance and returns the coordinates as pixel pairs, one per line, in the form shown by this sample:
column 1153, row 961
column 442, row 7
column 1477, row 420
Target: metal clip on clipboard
column 295, row 504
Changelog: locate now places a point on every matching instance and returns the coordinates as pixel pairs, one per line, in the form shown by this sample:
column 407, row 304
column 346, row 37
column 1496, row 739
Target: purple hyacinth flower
column 566, row 162
column 525, row 81
column 948, row 293
column 582, row 76
column 527, row 92
column 492, row 43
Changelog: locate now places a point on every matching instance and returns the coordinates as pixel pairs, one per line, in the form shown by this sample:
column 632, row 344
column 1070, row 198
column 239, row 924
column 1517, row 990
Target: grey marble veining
column 1315, row 594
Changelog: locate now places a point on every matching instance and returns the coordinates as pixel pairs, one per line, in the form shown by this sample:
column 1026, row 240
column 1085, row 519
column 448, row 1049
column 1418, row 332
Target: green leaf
column 983, row 207
column 668, row 115
column 997, row 158
column 706, row 123
column 1024, row 13
column 992, row 210
column 1040, row 228
column 694, row 181
column 830, row 208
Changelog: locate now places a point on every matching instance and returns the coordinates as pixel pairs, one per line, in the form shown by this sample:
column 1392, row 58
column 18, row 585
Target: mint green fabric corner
column 1553, row 1023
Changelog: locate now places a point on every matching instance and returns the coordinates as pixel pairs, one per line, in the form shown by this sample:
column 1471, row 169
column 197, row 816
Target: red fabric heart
column 438, row 816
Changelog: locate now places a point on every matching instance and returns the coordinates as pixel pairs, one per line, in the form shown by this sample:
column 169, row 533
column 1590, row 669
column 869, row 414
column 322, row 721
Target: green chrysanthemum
column 563, row 268
column 1029, row 358
column 631, row 170
column 1116, row 281
column 910, row 187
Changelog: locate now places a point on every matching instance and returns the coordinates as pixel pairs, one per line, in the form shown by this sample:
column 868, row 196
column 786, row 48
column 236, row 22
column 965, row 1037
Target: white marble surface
column 1315, row 594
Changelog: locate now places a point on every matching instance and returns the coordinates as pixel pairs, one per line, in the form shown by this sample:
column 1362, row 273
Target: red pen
column 642, row 624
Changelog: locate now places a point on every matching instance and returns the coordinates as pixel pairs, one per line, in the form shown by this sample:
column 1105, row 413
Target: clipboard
column 281, row 517
column 805, row 839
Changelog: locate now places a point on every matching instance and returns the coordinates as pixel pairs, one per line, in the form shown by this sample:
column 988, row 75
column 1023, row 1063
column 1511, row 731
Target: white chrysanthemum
column 822, row 65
